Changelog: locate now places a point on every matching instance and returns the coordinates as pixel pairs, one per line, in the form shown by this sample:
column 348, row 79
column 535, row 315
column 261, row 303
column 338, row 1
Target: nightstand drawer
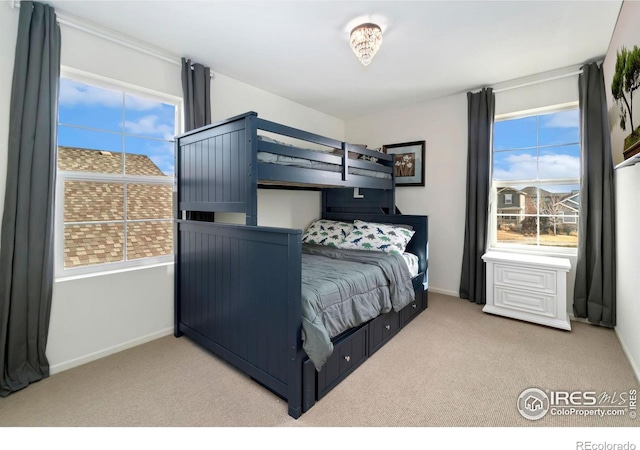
column 527, row 302
column 525, row 277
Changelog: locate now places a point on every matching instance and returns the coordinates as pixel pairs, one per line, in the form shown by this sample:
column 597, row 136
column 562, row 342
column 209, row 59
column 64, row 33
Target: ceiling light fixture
column 365, row 41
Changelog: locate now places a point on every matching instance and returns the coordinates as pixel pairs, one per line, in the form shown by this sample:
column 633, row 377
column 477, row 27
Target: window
column 115, row 179
column 536, row 170
column 508, row 199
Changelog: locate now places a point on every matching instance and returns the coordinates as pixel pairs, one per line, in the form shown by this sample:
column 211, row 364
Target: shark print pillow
column 378, row 237
column 326, row 232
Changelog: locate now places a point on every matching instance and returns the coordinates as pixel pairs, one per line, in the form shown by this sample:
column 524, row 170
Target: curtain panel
column 26, row 246
column 595, row 284
column 481, row 111
column 196, row 87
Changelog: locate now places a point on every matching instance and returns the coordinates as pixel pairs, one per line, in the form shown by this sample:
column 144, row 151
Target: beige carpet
column 453, row 366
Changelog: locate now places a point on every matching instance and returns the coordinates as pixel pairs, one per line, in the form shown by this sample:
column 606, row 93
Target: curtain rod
column 69, row 21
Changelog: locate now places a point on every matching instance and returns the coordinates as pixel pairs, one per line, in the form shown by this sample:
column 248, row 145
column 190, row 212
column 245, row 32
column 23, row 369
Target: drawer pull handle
column 414, row 306
column 388, row 327
column 347, row 358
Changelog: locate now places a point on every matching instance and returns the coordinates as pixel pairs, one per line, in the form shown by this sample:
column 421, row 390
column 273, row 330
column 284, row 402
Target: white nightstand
column 528, row 287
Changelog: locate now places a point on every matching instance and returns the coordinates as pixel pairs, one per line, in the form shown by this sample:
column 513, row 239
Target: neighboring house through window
column 536, row 179
column 115, row 176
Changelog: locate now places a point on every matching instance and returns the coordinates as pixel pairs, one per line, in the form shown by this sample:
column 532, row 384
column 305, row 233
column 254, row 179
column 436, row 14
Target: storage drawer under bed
column 409, row 312
column 381, row 329
column 353, row 347
column 348, row 353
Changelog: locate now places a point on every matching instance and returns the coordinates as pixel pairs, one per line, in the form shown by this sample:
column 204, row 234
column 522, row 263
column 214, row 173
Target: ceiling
column 300, row 49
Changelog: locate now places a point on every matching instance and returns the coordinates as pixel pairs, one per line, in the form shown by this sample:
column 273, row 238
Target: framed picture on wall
column 409, row 162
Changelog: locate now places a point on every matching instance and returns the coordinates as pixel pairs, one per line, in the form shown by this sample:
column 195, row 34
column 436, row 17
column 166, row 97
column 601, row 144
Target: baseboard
column 444, row 291
column 57, row 368
column 625, row 349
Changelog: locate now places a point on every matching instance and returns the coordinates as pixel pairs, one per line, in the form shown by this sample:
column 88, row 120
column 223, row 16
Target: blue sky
column 515, row 153
column 115, row 122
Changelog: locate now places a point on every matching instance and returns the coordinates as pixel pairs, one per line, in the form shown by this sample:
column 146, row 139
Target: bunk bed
column 238, row 288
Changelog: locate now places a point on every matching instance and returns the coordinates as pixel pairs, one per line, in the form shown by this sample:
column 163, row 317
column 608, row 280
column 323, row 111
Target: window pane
column 149, row 157
column 560, row 162
column 88, row 201
column 559, row 128
column 538, row 212
column 511, row 235
column 512, row 216
column 554, row 232
column 89, row 106
column 89, row 151
column 93, row 244
column 147, row 239
column 149, row 118
column 515, row 165
column 149, row 201
column 515, row 133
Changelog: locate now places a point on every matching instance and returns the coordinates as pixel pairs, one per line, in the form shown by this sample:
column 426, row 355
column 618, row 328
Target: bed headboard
column 419, row 244
column 360, row 201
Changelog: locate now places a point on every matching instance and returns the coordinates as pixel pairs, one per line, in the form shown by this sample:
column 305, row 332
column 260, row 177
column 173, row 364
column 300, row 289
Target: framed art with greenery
column 409, row 162
column 626, row 80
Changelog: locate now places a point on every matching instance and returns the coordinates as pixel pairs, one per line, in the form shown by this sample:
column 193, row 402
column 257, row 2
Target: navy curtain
column 481, row 110
column 26, row 246
column 595, row 286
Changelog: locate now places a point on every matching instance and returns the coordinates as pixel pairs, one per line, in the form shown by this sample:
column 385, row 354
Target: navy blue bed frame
column 238, row 287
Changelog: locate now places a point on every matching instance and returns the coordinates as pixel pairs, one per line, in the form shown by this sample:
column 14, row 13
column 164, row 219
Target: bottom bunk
column 353, row 347
column 241, row 293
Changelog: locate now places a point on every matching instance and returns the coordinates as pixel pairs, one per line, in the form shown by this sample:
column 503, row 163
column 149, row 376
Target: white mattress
column 412, row 263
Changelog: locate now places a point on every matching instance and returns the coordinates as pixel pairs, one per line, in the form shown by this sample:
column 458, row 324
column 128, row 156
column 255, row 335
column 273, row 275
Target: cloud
column 73, row 93
column 161, row 153
column 165, row 163
column 149, row 126
column 564, row 119
column 525, row 167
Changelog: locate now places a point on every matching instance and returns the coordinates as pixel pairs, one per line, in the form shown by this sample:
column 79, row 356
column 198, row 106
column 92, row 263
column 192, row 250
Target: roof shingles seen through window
column 96, row 201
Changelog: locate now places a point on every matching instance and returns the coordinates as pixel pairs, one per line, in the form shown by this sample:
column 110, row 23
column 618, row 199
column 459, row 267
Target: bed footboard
column 238, row 294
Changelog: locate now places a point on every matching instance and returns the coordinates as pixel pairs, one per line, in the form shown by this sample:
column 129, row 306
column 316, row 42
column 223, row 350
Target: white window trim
column 492, row 235
column 62, row 273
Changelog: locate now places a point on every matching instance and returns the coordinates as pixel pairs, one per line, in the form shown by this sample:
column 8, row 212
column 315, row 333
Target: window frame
column 492, row 241
column 62, row 176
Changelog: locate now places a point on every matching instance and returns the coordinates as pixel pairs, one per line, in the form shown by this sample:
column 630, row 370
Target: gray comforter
column 342, row 289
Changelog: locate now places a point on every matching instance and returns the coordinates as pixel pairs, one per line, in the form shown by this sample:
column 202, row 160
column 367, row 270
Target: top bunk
column 220, row 166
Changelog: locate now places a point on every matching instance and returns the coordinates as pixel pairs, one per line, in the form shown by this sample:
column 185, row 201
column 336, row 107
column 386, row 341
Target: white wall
column 288, row 209
column 98, row 315
column 93, row 316
column 443, row 125
column 627, row 183
column 626, row 33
